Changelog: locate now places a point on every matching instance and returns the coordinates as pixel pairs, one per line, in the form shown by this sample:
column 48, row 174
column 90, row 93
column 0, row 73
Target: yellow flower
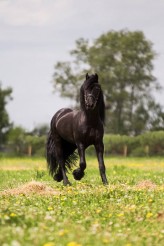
column 62, row 232
column 105, row 240
column 50, row 208
column 73, row 244
column 13, row 215
column 63, row 198
column 120, row 215
column 49, row 244
column 149, row 215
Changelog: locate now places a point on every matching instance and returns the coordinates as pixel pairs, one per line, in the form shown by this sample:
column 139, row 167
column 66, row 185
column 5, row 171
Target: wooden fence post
column 125, row 150
column 29, row 150
column 147, row 150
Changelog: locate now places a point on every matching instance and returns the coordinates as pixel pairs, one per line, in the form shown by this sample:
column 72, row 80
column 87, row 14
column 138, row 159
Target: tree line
column 124, row 62
column 20, row 142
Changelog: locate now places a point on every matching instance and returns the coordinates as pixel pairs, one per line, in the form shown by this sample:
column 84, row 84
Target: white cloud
column 33, row 12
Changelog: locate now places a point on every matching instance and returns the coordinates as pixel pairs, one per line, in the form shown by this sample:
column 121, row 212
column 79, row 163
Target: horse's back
column 62, row 124
column 60, row 113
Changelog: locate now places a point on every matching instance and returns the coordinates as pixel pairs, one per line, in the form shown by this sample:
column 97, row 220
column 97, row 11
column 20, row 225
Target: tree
column 22, row 143
column 5, row 96
column 124, row 62
column 40, row 130
column 16, row 140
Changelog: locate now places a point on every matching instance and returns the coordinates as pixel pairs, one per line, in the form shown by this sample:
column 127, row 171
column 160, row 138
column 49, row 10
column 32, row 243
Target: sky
column 35, row 34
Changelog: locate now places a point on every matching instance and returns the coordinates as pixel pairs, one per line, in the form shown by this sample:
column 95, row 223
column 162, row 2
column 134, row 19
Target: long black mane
column 91, row 81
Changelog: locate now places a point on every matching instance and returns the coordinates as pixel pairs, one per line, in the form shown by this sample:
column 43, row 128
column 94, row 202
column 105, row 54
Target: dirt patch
column 160, row 216
column 32, row 187
column 146, row 184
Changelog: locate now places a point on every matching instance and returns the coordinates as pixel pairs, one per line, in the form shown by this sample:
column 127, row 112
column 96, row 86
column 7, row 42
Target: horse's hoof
column 105, row 182
column 67, row 183
column 58, row 177
column 78, row 174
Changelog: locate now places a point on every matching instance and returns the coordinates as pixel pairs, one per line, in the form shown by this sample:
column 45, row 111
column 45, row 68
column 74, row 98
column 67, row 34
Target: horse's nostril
column 90, row 101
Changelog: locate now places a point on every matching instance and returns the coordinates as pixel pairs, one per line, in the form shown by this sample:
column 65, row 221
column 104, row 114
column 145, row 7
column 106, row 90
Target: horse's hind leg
column 79, row 172
column 58, row 176
column 63, row 172
column 59, row 155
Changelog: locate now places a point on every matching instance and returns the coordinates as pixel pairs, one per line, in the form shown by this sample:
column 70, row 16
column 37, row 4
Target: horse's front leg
column 79, row 172
column 100, row 152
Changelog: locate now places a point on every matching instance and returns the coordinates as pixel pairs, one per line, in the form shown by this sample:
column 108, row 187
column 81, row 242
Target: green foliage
column 21, row 143
column 16, row 140
column 154, row 142
column 5, row 96
column 115, row 144
column 124, row 62
column 40, row 130
column 147, row 144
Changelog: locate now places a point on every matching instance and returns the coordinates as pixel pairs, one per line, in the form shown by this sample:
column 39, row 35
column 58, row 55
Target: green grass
column 130, row 211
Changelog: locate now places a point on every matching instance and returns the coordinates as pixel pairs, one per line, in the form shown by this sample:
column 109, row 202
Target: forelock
column 90, row 81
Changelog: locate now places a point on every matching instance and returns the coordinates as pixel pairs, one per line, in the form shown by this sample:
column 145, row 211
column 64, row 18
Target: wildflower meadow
column 35, row 210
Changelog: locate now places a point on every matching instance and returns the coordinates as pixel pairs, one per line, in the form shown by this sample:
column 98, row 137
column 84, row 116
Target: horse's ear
column 96, row 76
column 87, row 76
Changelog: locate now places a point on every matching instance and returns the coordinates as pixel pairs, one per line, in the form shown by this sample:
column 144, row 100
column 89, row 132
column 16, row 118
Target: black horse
column 77, row 129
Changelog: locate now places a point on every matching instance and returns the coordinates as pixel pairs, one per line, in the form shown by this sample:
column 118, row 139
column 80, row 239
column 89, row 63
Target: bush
column 148, row 144
column 116, row 144
column 153, row 143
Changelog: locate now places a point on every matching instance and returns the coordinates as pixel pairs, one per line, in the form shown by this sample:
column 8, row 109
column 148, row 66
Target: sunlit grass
column 40, row 163
column 22, row 163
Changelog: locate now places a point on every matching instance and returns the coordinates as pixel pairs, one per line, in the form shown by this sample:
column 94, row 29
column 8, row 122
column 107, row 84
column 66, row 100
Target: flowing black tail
column 69, row 156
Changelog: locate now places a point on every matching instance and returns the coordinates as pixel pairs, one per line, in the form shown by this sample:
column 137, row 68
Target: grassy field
column 35, row 210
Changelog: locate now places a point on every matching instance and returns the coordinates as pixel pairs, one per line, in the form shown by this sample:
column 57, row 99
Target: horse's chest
column 89, row 135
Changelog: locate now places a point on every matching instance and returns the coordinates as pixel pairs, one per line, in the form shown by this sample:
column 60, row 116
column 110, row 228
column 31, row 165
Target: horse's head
column 91, row 90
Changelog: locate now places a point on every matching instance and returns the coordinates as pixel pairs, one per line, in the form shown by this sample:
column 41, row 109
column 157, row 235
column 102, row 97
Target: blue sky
column 35, row 34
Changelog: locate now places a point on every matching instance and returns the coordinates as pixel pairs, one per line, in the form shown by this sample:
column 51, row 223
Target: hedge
column 147, row 144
